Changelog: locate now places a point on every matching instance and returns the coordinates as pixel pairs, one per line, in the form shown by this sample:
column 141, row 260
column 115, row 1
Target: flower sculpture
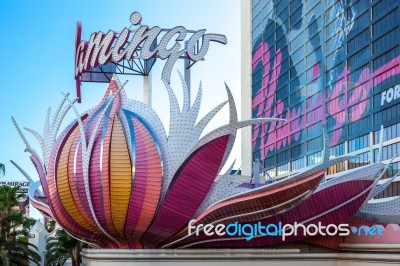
column 115, row 179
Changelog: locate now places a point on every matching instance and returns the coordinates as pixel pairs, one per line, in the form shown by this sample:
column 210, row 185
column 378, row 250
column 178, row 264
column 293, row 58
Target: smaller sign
column 23, row 184
column 390, row 95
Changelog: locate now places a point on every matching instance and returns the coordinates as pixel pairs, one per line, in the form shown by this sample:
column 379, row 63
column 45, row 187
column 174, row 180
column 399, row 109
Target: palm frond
column 2, row 169
column 61, row 246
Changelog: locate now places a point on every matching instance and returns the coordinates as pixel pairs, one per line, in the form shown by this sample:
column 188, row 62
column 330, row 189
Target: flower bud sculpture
column 115, row 179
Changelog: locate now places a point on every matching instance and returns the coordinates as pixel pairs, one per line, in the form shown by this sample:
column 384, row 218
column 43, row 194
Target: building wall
column 314, row 63
column 38, row 239
column 246, row 153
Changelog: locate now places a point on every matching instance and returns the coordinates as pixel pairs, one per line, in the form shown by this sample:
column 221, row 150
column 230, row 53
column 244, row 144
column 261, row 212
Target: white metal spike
column 37, row 136
column 186, row 103
column 197, row 101
column 28, row 146
column 207, row 118
column 22, row 172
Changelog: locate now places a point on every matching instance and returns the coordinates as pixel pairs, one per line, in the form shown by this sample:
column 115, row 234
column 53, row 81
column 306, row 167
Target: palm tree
column 2, row 170
column 51, row 226
column 61, row 247
column 8, row 199
column 18, row 253
column 14, row 246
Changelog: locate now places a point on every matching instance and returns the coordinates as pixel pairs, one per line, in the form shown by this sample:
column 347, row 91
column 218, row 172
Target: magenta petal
column 188, row 190
column 333, row 205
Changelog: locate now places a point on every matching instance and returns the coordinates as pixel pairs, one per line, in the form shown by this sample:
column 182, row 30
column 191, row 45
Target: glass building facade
column 333, row 63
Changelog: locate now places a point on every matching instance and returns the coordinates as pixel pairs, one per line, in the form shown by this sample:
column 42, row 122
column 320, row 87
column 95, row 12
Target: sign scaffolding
column 111, row 53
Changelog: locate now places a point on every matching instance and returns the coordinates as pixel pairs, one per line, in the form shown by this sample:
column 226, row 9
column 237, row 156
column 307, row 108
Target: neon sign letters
column 141, row 43
column 390, row 94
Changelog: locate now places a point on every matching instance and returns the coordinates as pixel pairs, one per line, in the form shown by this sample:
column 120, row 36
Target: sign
column 390, row 94
column 23, row 184
column 141, row 43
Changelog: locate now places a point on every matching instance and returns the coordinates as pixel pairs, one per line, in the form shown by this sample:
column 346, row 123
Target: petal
column 188, row 189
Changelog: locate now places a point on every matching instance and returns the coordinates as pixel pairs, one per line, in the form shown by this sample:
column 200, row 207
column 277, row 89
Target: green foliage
column 2, row 169
column 61, row 247
column 15, row 248
column 8, row 199
column 51, row 225
column 18, row 253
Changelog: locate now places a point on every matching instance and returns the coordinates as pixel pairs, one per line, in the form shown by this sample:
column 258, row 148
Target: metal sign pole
column 147, row 89
column 187, row 72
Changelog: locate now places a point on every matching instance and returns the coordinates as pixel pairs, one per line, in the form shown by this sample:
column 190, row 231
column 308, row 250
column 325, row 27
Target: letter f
column 383, row 97
column 191, row 226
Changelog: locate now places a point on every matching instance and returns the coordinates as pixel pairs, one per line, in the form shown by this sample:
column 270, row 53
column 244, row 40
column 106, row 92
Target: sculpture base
column 231, row 257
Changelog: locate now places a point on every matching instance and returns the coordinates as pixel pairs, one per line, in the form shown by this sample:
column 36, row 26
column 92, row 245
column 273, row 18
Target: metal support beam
column 187, row 73
column 147, row 89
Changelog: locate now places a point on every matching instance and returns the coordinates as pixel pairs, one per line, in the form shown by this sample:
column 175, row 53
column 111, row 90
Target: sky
column 37, row 45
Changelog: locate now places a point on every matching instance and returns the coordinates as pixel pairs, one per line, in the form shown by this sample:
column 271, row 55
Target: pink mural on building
column 335, row 102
